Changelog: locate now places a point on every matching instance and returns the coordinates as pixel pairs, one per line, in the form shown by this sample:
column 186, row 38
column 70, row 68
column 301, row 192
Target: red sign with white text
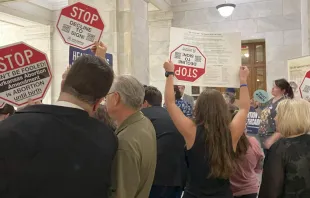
column 24, row 74
column 189, row 63
column 305, row 87
column 80, row 25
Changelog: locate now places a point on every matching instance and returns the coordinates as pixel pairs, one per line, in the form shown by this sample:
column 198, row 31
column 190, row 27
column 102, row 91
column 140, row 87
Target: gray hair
column 130, row 90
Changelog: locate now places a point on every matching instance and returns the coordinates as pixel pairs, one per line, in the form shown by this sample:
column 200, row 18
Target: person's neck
column 123, row 115
column 276, row 98
column 65, row 97
column 293, row 136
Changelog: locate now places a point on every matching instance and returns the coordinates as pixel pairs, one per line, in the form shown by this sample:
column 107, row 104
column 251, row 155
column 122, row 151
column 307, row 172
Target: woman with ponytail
column 267, row 130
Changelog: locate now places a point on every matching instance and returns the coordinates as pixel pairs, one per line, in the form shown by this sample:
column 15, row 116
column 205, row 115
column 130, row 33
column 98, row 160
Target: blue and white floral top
column 185, row 107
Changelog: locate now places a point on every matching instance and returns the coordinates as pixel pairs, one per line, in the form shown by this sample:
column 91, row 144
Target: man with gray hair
column 135, row 161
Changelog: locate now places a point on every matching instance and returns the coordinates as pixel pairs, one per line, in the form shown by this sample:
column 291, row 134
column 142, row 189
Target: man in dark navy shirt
column 171, row 167
column 49, row 151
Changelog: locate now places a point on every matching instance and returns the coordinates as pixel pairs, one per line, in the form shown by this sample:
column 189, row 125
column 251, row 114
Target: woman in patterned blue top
column 186, row 108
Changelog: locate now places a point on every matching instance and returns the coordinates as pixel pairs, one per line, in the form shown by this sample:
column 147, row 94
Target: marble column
column 305, row 26
column 159, row 36
column 133, row 39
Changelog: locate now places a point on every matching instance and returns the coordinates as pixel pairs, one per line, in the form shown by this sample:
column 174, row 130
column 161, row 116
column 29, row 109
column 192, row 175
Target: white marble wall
column 133, row 40
column 159, row 33
column 276, row 21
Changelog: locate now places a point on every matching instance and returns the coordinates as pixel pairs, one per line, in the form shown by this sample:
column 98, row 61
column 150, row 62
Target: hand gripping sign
column 24, row 74
column 189, row 63
column 80, row 25
column 305, row 87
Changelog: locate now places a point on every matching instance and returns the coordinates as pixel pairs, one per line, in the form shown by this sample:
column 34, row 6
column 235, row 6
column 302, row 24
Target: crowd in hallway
column 111, row 136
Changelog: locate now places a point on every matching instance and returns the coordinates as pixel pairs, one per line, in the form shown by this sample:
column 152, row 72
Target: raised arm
column 184, row 125
column 238, row 124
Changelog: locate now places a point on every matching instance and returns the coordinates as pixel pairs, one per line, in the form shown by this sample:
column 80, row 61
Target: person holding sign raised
column 59, row 150
column 211, row 139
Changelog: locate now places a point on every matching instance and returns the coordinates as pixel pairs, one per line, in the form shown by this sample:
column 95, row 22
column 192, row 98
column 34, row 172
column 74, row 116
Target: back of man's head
column 130, row 90
column 7, row 110
column 153, row 96
column 89, row 79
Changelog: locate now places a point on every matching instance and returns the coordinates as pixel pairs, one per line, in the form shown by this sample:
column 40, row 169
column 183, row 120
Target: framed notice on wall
column 297, row 68
column 205, row 59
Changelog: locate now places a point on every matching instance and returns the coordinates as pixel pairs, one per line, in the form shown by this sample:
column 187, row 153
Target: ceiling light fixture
column 226, row 9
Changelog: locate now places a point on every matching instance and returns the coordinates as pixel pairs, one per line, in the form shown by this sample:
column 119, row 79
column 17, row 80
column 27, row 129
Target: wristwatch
column 169, row 73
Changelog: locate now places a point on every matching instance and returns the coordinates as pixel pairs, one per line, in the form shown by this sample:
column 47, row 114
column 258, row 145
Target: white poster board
column 297, row 69
column 222, row 52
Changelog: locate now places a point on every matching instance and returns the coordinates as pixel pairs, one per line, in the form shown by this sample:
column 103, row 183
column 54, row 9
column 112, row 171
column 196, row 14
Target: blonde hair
column 293, row 117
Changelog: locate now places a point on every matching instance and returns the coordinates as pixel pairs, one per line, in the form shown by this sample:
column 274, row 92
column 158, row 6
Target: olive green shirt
column 135, row 160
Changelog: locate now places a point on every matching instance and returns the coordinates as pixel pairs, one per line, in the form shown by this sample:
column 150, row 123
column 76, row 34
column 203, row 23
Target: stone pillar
column 305, row 26
column 133, row 39
column 159, row 36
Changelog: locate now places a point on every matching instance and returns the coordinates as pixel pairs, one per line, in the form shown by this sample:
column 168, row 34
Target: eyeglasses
column 105, row 98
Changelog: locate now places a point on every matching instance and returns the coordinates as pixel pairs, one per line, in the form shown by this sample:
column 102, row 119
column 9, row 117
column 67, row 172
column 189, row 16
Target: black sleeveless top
column 199, row 185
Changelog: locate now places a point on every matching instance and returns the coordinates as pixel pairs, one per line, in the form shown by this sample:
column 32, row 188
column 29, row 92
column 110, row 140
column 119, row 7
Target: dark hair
column 177, row 92
column 7, row 109
column 153, row 96
column 89, row 79
column 102, row 115
column 212, row 112
column 284, row 85
column 243, row 143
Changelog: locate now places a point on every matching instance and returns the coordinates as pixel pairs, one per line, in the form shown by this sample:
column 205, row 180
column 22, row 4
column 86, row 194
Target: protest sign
column 189, row 62
column 297, row 69
column 24, row 74
column 205, row 59
column 80, row 25
column 305, row 87
column 74, row 53
column 261, row 96
column 253, row 121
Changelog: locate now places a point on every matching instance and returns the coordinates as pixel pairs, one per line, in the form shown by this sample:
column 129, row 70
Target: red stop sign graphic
column 24, row 74
column 80, row 25
column 189, row 63
column 305, row 87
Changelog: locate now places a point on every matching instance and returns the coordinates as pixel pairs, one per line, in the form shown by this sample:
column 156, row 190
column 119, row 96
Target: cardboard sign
column 189, row 63
column 261, row 96
column 2, row 104
column 74, row 53
column 24, row 74
column 253, row 121
column 305, row 87
column 206, row 59
column 80, row 25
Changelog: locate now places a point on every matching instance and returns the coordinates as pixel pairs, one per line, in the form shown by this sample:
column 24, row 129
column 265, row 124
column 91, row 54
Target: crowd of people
column 113, row 137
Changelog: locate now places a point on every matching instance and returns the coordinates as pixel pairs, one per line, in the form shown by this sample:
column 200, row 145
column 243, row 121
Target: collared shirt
column 135, row 161
column 68, row 104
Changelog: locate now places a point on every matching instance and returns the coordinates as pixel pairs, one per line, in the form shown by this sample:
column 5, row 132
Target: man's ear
column 97, row 104
column 145, row 104
column 6, row 116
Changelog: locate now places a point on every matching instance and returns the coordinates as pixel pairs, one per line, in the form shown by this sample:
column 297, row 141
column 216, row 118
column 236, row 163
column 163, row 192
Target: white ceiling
column 50, row 4
column 7, row 19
